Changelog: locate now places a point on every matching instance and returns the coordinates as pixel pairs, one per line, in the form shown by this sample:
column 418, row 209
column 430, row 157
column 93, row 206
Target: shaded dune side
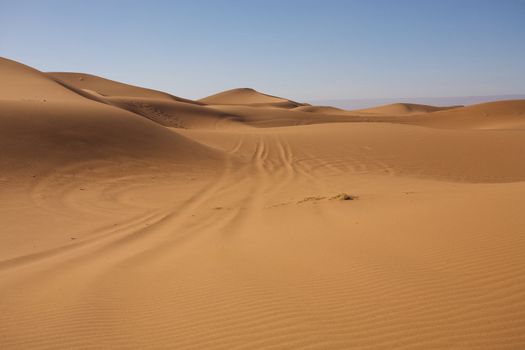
column 177, row 114
column 248, row 96
column 44, row 125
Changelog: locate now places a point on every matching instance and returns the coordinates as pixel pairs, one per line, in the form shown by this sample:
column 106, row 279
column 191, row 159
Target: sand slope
column 25, row 84
column 107, row 87
column 135, row 221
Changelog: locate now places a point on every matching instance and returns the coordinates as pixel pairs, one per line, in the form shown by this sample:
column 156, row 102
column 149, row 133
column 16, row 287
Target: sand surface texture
column 132, row 218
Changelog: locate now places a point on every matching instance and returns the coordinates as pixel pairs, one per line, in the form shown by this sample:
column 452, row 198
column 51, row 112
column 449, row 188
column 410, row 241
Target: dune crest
column 111, row 88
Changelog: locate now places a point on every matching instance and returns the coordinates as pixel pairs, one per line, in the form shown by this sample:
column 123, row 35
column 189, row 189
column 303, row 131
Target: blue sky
column 299, row 49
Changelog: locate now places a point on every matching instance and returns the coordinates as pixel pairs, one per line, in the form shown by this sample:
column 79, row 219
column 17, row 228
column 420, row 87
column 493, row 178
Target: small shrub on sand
column 343, row 197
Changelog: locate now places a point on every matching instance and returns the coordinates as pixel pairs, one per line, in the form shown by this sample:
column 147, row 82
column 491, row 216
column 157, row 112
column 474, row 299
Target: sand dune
column 490, row 115
column 248, row 96
column 134, row 219
column 320, row 109
column 160, row 107
column 44, row 125
column 403, row 108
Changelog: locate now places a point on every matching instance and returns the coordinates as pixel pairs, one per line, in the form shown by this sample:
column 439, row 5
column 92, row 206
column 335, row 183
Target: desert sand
column 135, row 219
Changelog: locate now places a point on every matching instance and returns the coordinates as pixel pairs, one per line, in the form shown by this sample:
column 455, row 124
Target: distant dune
column 320, row 109
column 136, row 219
column 363, row 103
column 490, row 115
column 248, row 96
column 403, row 108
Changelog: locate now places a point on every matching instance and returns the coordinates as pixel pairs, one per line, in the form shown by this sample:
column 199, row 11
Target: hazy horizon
column 307, row 50
column 356, row 103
